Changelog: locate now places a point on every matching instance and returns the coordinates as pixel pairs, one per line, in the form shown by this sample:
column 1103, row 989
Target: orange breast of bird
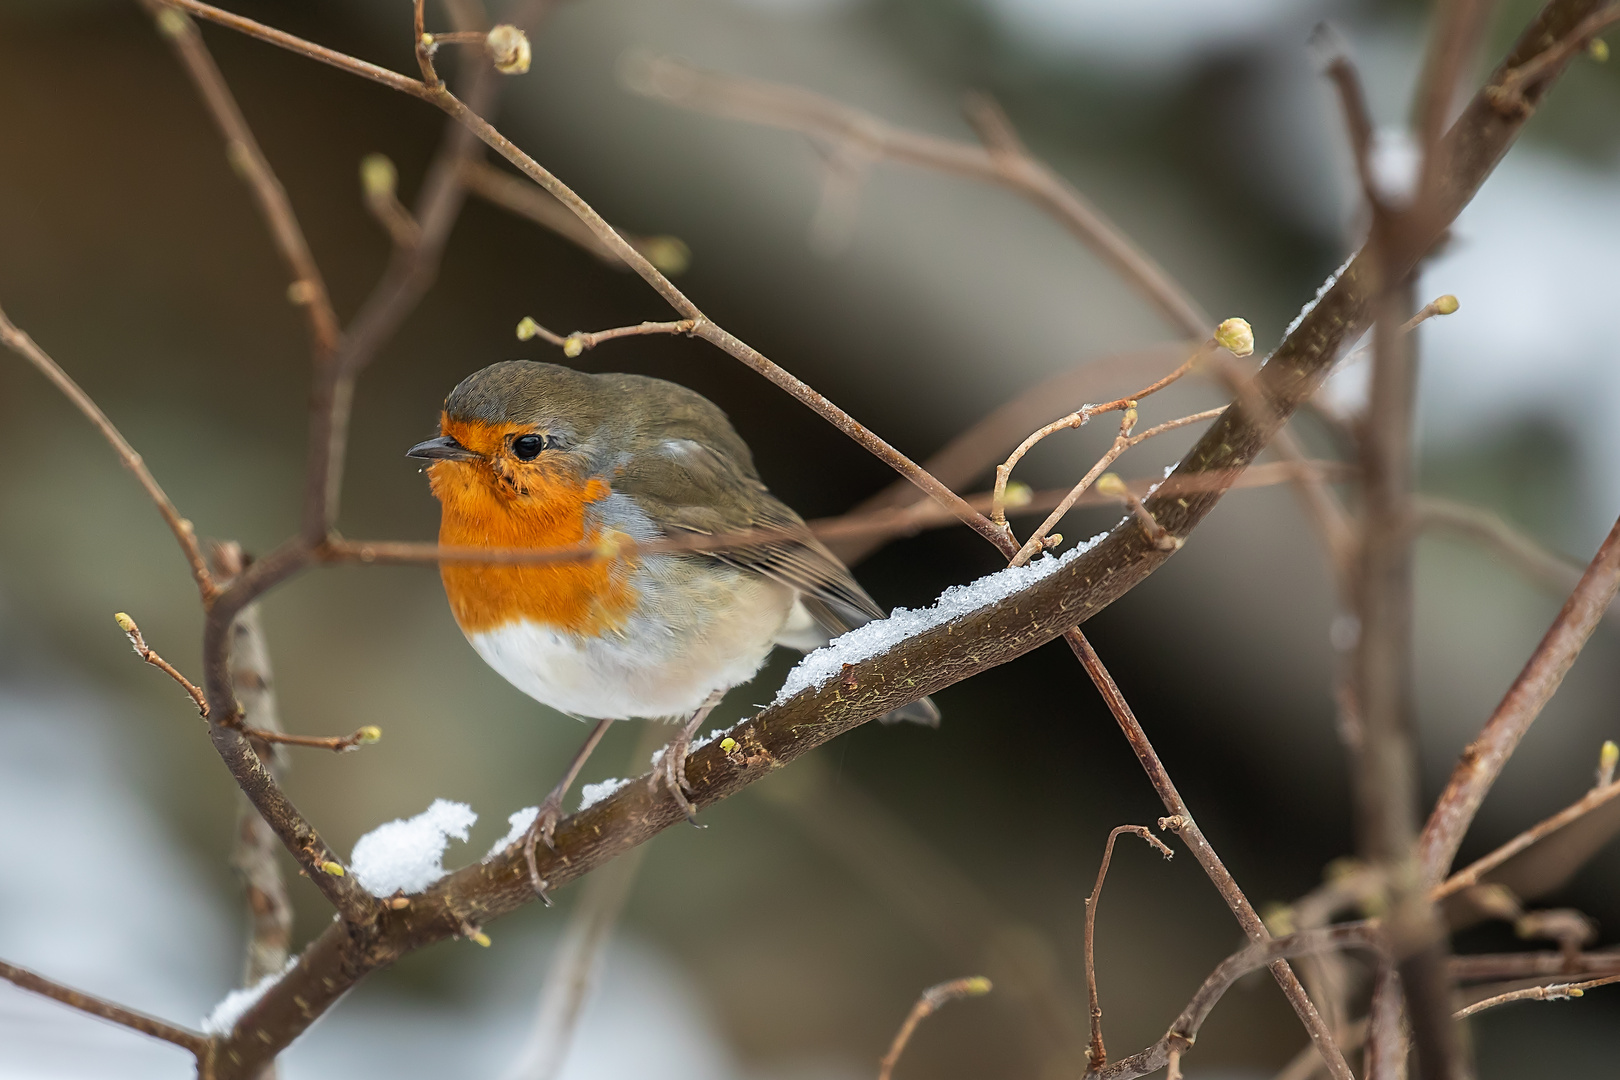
column 523, row 505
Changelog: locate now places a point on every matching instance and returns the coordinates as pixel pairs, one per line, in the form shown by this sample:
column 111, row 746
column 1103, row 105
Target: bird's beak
column 444, row 448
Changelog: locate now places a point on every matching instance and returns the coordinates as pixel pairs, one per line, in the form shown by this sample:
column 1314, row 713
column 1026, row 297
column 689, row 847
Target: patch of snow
column 881, row 635
column 407, row 854
column 520, row 820
column 591, row 794
column 237, row 1002
column 1394, row 161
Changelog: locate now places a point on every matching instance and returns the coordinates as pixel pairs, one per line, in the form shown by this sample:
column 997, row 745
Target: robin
column 542, row 456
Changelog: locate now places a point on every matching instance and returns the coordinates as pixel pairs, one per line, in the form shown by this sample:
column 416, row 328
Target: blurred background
column 789, row 937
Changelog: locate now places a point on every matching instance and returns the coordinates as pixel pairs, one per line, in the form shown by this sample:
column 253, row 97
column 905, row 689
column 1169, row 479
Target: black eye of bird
column 528, row 447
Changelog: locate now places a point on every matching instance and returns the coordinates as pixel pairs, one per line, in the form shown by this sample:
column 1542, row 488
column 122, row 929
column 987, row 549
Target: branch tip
column 1608, row 758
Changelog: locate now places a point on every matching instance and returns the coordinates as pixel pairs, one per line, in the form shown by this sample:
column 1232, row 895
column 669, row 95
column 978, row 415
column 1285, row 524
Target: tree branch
column 1097, row 1055
column 1543, row 673
column 197, row 1043
column 1270, row 952
column 24, row 346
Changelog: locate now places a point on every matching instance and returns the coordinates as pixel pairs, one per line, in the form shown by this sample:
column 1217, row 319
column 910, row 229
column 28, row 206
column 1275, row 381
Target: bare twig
column 1535, row 685
column 819, row 117
column 1097, row 1055
column 577, row 342
column 148, row 654
column 23, row 345
column 927, row 1005
column 308, row 288
column 1269, row 952
column 1484, row 967
column 1470, row 875
column 1553, row 992
column 1077, row 419
column 194, row 1041
column 1180, row 820
column 336, row 743
column 883, row 524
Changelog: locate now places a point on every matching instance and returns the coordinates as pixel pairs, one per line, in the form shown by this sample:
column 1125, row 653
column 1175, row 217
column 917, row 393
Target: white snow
column 1394, row 162
column 237, row 1002
column 591, row 794
column 1310, row 306
column 406, row 855
column 520, row 820
column 881, row 635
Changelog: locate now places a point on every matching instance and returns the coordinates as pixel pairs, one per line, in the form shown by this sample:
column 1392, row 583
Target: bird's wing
column 687, row 487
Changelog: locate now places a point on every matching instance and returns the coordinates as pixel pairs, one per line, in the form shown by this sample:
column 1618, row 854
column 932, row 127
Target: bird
column 540, row 455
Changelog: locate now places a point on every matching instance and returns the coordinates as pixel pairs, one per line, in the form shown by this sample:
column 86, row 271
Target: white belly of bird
column 649, row 670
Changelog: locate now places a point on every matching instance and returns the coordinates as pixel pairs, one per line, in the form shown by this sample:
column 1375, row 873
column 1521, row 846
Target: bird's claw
column 541, row 830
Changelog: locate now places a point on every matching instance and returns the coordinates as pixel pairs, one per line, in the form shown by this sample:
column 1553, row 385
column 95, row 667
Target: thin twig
column 1484, row 967
column 811, row 114
column 1553, row 992
column 194, row 1041
column 884, row 524
column 1180, row 820
column 577, row 342
column 1096, row 1055
column 1270, row 952
column 1508, row 93
column 1077, row 419
column 336, row 743
column 150, row 656
column 23, row 345
column 1543, row 673
column 308, row 288
column 1471, row 874
column 929, row 1003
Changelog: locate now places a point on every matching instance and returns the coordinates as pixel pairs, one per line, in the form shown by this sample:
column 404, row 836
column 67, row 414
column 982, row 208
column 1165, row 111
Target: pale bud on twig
column 1598, row 50
column 333, row 868
column 301, row 292
column 1018, row 494
column 509, row 49
column 1608, row 758
column 378, row 177
column 1446, row 305
column 369, row 734
column 527, row 328
column 573, row 345
column 1111, row 485
column 1236, row 336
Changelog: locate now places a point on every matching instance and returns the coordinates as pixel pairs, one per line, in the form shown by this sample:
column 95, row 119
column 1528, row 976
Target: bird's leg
column 671, row 767
column 545, row 822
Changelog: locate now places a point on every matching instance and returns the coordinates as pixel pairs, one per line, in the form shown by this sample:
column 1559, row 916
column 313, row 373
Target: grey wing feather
column 686, row 486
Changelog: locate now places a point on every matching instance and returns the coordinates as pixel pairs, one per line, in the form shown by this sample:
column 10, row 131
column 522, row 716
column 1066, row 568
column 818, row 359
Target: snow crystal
column 1333, row 279
column 406, row 855
column 881, row 635
column 237, row 1002
column 591, row 794
column 520, row 820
